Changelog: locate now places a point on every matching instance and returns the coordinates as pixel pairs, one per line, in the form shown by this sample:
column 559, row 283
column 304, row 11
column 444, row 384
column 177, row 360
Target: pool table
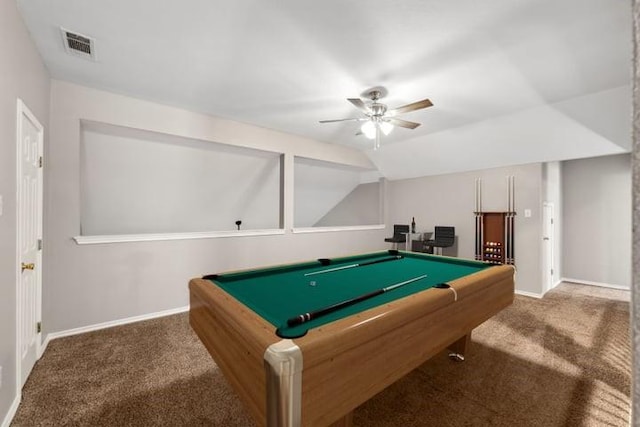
column 314, row 371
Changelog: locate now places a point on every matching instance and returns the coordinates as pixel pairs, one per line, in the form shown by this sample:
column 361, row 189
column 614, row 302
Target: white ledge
column 124, row 238
column 344, row 228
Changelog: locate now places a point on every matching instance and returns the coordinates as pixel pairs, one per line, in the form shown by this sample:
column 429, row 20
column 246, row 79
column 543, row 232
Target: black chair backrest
column 399, row 229
column 444, row 233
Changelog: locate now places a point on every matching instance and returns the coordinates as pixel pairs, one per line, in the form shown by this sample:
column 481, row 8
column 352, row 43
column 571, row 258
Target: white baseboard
column 110, row 324
column 587, row 282
column 43, row 346
column 529, row 294
column 12, row 412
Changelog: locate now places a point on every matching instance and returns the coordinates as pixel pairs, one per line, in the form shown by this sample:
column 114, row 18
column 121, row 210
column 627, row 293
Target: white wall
column 23, row 75
column 360, row 207
column 449, row 200
column 597, row 220
column 90, row 284
column 635, row 176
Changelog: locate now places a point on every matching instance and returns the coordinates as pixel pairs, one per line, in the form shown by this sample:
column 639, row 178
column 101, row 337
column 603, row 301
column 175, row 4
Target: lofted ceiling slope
column 512, row 81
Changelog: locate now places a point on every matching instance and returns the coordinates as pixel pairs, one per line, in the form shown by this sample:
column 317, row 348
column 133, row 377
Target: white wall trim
column 96, row 327
column 590, row 283
column 124, row 238
column 332, row 229
column 529, row 294
column 43, row 345
column 12, row 411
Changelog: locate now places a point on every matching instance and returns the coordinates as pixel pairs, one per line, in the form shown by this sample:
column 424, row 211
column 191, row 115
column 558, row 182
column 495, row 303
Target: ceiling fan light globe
column 386, row 128
column 369, row 129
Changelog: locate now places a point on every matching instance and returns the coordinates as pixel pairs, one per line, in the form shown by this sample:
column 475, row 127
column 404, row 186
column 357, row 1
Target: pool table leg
column 458, row 348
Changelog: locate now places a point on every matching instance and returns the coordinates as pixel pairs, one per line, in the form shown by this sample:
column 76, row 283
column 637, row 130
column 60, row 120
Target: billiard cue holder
column 495, row 231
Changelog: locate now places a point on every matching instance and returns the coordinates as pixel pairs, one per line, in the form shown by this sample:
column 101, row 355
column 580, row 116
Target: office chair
column 444, row 237
column 399, row 235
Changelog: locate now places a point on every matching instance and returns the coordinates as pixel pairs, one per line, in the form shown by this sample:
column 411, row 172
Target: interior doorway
column 30, row 145
column 549, row 269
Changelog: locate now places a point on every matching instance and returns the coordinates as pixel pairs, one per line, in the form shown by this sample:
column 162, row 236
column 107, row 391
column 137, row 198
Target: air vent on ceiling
column 78, row 44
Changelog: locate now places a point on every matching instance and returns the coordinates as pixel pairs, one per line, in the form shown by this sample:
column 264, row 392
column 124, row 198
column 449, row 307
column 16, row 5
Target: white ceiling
column 495, row 69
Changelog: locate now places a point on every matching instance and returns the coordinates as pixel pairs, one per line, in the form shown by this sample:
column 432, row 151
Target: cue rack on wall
column 495, row 230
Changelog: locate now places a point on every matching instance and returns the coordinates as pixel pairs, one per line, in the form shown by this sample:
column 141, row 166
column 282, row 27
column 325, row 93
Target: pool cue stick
column 505, row 252
column 476, row 241
column 362, row 264
column 513, row 222
column 512, row 213
column 475, row 208
column 478, row 248
column 302, row 318
column 508, row 233
column 478, row 236
column 482, row 243
column 481, row 219
column 511, row 240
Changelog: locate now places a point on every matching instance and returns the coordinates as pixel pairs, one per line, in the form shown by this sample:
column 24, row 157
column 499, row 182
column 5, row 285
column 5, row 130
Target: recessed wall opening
column 328, row 194
column 138, row 182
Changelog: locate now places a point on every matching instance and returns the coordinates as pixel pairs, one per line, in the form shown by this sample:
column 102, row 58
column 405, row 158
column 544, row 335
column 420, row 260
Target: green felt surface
column 280, row 293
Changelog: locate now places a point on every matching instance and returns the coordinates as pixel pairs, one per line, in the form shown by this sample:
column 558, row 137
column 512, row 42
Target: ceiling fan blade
column 411, row 107
column 340, row 120
column 359, row 104
column 402, row 123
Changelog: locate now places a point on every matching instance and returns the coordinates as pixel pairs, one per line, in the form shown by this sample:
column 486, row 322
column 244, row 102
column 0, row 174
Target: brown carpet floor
column 560, row 361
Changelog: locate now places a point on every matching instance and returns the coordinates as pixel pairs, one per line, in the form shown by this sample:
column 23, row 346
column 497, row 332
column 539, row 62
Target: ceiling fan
column 378, row 119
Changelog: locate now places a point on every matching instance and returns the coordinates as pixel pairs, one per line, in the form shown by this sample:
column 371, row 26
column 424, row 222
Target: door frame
column 23, row 110
column 548, row 247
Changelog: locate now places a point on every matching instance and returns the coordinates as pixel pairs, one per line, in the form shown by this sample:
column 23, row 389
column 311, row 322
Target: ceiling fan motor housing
column 375, row 95
column 378, row 109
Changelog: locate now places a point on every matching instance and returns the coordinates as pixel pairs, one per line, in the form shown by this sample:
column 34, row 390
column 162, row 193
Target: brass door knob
column 29, row 266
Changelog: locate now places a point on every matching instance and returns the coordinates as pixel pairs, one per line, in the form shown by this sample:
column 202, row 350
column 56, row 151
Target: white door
column 29, row 243
column 548, row 273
